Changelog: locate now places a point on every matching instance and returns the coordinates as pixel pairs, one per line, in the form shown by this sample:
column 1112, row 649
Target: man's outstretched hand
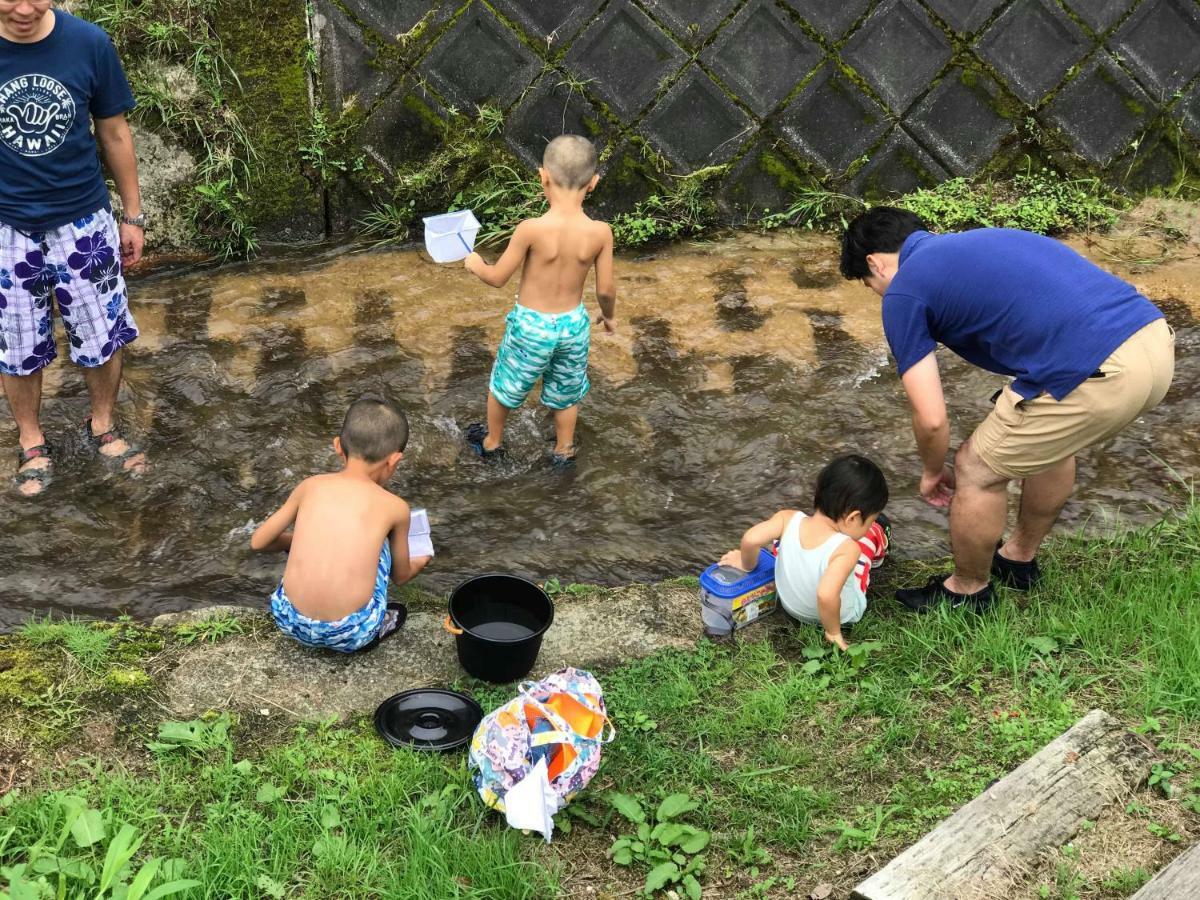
column 937, row 490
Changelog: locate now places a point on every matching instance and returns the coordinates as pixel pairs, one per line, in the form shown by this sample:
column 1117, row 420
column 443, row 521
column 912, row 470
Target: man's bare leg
column 977, row 516
column 103, row 384
column 24, row 393
column 564, row 430
column 1042, row 498
column 497, row 415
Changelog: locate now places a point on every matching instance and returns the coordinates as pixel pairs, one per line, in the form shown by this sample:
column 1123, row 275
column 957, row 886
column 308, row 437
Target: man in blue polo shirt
column 59, row 244
column 1086, row 352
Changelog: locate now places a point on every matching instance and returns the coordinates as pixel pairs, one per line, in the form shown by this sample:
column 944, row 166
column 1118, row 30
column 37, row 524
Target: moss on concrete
column 267, row 43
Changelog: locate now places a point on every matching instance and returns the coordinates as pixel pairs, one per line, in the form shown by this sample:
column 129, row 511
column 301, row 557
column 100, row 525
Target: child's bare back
column 561, row 249
column 340, row 526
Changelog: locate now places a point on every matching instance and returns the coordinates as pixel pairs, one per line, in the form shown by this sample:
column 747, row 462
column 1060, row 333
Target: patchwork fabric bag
column 560, row 719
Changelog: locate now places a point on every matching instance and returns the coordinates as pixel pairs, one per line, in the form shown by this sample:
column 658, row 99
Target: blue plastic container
column 731, row 599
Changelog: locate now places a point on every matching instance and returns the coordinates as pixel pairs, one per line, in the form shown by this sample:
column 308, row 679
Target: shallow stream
column 740, row 367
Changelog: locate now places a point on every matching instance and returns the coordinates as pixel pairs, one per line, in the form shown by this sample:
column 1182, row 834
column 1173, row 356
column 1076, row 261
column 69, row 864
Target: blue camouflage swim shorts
column 537, row 345
column 76, row 268
column 347, row 634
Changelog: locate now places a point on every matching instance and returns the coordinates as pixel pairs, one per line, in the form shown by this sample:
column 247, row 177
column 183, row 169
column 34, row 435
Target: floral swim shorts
column 76, row 267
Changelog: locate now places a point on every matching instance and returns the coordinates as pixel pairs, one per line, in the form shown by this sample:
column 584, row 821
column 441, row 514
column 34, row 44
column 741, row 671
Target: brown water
column 741, row 366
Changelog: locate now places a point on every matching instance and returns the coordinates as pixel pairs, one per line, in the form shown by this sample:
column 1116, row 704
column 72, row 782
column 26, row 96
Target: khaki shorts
column 1023, row 437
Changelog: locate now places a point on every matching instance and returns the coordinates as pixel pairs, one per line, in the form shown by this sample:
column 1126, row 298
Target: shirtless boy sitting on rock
column 334, row 588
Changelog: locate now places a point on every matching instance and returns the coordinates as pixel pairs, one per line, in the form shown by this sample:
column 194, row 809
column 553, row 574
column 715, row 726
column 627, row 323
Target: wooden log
column 990, row 845
column 1177, row 881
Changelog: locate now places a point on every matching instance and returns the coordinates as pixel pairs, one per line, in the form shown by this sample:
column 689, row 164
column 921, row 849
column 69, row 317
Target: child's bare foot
column 116, row 449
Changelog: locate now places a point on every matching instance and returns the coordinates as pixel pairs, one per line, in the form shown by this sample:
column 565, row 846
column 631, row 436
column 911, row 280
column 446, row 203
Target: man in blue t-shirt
column 1087, row 354
column 59, row 244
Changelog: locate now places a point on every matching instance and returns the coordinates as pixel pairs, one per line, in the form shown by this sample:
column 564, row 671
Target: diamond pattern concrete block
column 550, row 109
column 898, row 167
column 352, row 77
column 626, row 179
column 1099, row 14
column 874, row 51
column 1161, row 41
column 1189, row 111
column 965, row 16
column 832, row 122
column 761, row 180
column 625, row 56
column 404, row 126
column 1101, row 111
column 960, row 121
column 746, row 55
column 480, row 61
column 398, row 17
column 1155, row 163
column 553, row 21
column 689, row 20
column 695, row 124
column 830, row 17
column 1032, row 45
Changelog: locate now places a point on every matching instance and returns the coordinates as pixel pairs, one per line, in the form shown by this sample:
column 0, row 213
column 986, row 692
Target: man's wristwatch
column 138, row 221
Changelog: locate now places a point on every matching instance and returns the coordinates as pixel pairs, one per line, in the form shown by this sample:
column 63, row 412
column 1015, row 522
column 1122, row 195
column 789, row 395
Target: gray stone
column 964, row 16
column 960, row 121
column 1032, row 44
column 691, row 21
column 626, row 56
column 163, row 170
column 480, row 61
column 1188, row 111
column 832, row 122
column 898, row 50
column 696, row 124
column 747, row 54
column 1101, row 110
column 397, row 19
column 758, row 182
column 552, row 108
column 1161, row 42
column 403, row 126
column 899, row 167
column 626, row 179
column 830, row 17
column 274, row 672
column 352, row 74
column 1099, row 14
column 553, row 21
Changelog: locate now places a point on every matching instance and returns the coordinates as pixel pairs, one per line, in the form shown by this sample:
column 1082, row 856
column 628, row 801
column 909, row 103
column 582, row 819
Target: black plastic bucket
column 498, row 622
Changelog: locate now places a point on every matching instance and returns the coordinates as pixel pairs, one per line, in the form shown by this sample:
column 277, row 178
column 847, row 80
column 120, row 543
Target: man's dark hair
column 373, row 429
column 879, row 230
column 851, row 483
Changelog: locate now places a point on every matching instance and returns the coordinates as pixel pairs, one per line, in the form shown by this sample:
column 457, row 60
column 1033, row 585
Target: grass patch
column 759, row 768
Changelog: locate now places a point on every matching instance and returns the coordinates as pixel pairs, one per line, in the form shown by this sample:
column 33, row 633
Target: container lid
column 428, row 719
column 726, row 581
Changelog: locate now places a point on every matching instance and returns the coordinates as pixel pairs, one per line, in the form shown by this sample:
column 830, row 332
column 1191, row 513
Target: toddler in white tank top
column 825, row 560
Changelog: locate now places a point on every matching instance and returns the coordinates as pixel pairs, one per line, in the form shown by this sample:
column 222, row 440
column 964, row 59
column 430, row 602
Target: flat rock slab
column 989, row 846
column 597, row 630
column 1178, row 880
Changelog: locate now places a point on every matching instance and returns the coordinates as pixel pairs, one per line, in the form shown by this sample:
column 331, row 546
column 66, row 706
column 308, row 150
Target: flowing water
column 740, row 367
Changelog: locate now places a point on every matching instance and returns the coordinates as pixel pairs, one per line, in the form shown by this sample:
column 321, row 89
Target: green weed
column 669, row 848
column 210, row 630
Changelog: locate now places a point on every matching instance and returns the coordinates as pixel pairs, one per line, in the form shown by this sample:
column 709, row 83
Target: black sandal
column 95, row 442
column 43, row 476
column 401, row 612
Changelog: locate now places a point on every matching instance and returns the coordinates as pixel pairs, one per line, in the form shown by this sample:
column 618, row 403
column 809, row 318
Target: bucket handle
column 449, row 626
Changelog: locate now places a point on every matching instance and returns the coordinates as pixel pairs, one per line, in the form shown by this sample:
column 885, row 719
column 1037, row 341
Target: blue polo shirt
column 1011, row 302
column 49, row 163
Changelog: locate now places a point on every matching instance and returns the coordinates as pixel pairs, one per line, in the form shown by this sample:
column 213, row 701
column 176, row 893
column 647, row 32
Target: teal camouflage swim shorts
column 540, row 345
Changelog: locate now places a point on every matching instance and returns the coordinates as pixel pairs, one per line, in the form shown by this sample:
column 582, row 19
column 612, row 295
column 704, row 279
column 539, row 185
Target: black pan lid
column 428, row 719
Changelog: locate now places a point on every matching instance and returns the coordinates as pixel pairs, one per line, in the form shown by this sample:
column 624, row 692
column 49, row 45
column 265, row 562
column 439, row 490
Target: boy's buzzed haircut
column 373, row 429
column 570, row 160
column 850, row 483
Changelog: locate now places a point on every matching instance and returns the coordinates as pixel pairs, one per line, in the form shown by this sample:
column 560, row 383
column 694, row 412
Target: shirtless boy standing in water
column 549, row 330
column 346, row 535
